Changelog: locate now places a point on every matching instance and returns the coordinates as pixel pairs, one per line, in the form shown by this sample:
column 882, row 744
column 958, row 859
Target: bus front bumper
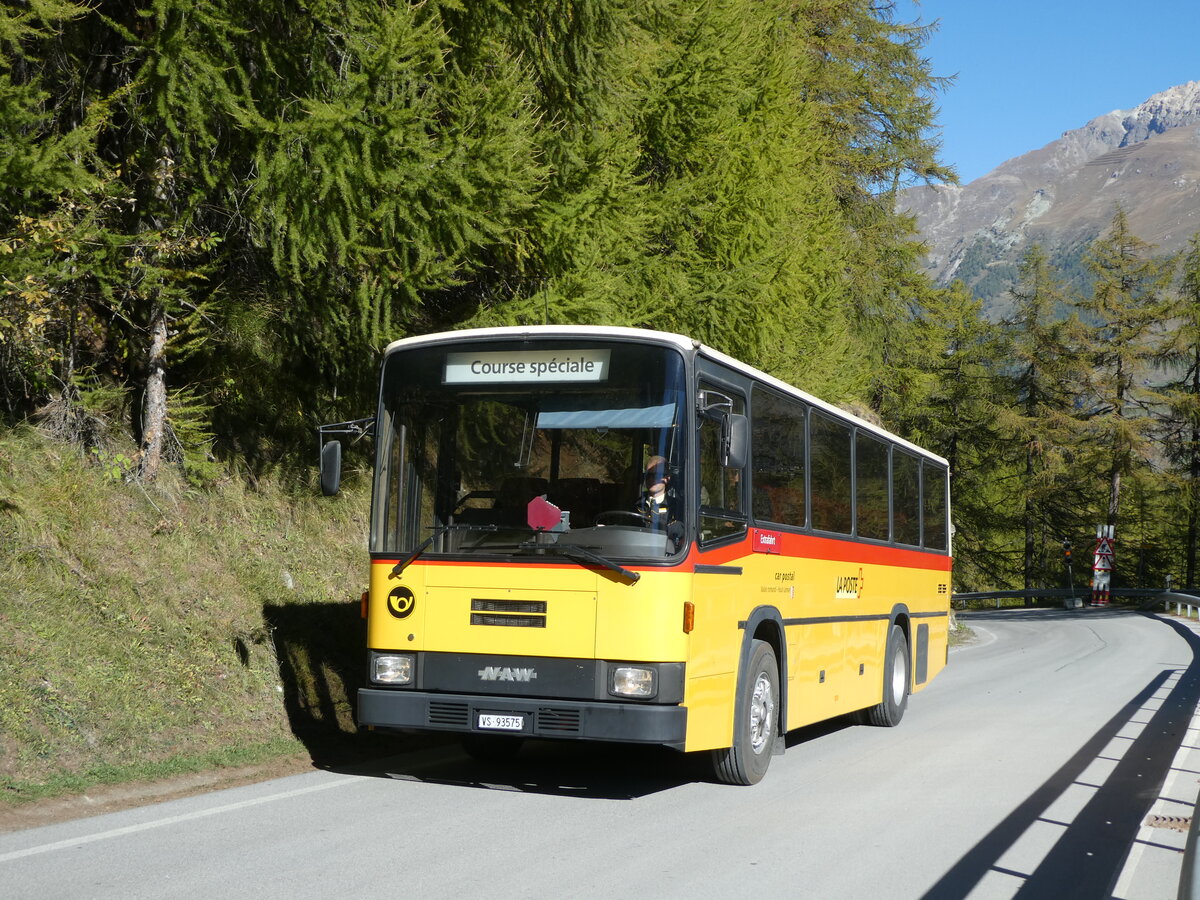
column 538, row 718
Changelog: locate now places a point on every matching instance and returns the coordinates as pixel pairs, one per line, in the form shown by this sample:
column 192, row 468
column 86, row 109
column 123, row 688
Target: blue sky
column 1028, row 71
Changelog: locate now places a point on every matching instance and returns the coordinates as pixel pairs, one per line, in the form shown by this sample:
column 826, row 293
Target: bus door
column 719, row 589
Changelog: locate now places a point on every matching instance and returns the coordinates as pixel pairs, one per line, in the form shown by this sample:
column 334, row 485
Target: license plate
column 496, row 722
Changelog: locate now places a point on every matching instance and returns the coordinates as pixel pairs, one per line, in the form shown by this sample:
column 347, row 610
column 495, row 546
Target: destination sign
column 527, row 366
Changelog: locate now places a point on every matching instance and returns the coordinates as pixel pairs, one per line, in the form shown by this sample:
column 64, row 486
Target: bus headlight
column 392, row 668
column 633, row 681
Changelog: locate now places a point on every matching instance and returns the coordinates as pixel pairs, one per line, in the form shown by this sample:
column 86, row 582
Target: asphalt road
column 1028, row 768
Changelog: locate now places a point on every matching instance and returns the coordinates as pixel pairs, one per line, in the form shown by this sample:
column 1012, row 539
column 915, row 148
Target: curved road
column 1028, row 768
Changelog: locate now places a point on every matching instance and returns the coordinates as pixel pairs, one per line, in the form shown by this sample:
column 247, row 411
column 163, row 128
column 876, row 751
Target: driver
column 655, row 501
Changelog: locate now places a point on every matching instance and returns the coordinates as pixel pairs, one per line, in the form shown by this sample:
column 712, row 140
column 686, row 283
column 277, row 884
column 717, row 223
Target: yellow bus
column 587, row 533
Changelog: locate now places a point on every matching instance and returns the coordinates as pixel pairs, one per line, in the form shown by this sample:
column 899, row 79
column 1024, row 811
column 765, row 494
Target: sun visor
column 637, row 417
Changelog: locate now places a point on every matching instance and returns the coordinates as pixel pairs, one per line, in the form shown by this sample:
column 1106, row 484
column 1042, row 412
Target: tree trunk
column 154, row 412
column 1029, row 535
column 1193, row 501
column 1114, row 493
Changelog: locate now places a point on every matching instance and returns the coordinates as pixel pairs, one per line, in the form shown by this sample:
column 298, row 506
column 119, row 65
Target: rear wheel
column 757, row 726
column 896, row 675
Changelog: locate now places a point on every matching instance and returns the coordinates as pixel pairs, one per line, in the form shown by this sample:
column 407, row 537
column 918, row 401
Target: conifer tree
column 688, row 189
column 235, row 206
column 873, row 94
column 950, row 404
column 574, row 251
column 1182, row 421
column 41, row 180
column 746, row 244
column 1044, row 374
column 1127, row 305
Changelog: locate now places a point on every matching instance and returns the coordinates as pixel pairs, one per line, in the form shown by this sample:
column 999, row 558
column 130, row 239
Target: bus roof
column 683, row 343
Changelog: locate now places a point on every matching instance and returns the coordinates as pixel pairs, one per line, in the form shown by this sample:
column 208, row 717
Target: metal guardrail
column 1078, row 593
column 1189, row 875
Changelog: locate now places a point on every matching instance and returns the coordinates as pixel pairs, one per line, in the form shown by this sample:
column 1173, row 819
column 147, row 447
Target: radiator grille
column 510, row 606
column 509, row 621
column 448, row 714
column 557, row 721
column 509, row 613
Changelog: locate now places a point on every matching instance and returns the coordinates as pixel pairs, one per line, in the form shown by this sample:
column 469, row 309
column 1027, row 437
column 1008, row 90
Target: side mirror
column 331, row 468
column 735, row 437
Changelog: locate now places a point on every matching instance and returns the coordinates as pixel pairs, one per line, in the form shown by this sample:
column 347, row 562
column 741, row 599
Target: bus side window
column 722, row 512
column 830, row 455
column 906, row 498
column 870, row 486
column 778, row 446
column 933, row 512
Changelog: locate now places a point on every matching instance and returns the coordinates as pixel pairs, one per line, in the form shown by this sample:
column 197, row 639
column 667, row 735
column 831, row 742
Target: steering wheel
column 621, row 517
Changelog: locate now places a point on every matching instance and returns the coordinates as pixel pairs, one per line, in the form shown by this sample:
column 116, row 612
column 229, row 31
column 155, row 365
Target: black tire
column 491, row 747
column 897, row 680
column 757, row 725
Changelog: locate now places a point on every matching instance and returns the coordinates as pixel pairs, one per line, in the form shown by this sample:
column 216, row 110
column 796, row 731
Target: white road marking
column 172, row 820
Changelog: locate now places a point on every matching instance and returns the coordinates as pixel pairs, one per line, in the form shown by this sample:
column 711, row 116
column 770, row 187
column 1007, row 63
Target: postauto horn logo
column 401, row 602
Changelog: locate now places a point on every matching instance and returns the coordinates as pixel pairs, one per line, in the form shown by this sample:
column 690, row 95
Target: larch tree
column 873, row 93
column 240, row 204
column 1182, row 420
column 1043, row 375
column 1127, row 307
column 950, row 404
column 43, row 184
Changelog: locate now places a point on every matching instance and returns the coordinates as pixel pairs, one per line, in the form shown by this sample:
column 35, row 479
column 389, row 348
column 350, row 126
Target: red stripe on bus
column 794, row 546
column 806, row 546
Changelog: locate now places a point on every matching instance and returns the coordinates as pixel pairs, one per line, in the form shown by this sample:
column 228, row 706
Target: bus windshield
column 512, row 448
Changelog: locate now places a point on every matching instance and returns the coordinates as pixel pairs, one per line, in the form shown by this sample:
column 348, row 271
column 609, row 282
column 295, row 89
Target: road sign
column 1102, row 564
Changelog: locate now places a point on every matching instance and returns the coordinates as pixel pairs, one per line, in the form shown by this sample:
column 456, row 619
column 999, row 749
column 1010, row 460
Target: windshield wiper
column 582, row 554
column 453, row 526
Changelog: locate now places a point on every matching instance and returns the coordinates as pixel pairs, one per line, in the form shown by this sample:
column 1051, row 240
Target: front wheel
column 757, row 725
column 896, row 675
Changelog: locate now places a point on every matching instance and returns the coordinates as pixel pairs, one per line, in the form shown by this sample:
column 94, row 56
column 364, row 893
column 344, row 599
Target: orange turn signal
column 365, row 595
column 689, row 616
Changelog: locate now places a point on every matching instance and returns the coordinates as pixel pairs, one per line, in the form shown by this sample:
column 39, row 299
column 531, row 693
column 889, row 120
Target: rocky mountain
column 1147, row 159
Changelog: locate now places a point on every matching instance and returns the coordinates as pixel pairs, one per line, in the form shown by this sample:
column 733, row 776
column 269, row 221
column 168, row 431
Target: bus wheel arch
column 760, row 703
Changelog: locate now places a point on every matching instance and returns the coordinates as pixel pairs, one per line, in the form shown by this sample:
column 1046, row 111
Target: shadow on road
column 320, row 655
column 594, row 771
column 1090, row 854
column 319, row 651
column 591, row 771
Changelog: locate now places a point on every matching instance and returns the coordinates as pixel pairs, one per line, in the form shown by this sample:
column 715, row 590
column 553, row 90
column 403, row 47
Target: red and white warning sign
column 1102, row 564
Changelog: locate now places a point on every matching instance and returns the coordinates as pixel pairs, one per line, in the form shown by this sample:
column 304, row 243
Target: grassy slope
column 149, row 632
